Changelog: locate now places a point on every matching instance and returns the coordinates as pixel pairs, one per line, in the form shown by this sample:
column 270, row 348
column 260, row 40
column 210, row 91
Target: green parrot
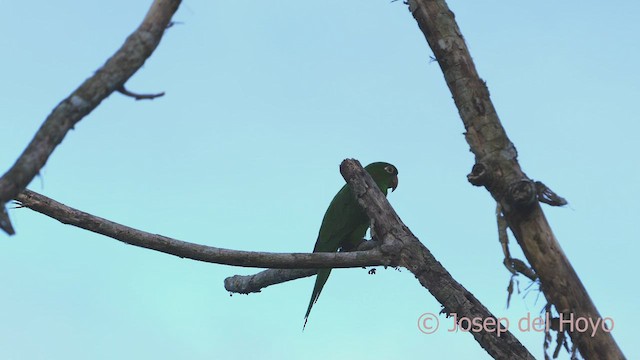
column 345, row 223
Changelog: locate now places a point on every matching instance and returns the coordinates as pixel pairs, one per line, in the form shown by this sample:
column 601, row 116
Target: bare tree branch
column 399, row 243
column 111, row 77
column 497, row 169
column 246, row 284
column 131, row 236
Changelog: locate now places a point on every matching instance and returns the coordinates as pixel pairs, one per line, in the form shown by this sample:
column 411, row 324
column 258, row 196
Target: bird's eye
column 390, row 169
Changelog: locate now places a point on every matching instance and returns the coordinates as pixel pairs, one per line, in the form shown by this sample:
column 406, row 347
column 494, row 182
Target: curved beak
column 394, row 183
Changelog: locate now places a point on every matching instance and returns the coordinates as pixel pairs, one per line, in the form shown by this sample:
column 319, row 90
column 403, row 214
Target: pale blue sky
column 264, row 99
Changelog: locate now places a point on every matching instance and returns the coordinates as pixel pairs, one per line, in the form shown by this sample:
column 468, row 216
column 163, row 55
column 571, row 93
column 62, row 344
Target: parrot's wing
column 340, row 220
column 343, row 222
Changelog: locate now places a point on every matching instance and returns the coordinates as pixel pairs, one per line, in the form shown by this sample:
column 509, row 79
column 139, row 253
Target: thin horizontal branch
column 246, row 284
column 111, row 77
column 183, row 249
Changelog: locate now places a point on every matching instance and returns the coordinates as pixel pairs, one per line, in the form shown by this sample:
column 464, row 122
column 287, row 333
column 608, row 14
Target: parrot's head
column 384, row 174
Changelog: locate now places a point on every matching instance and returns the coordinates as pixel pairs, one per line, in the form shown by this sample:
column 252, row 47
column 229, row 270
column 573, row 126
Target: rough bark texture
column 183, row 249
column 399, row 243
column 497, row 169
column 111, row 77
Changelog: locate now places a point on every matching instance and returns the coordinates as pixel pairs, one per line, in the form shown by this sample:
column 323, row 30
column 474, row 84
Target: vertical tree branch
column 111, row 77
column 497, row 169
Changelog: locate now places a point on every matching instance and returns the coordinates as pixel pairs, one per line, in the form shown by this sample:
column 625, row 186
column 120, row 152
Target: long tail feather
column 321, row 279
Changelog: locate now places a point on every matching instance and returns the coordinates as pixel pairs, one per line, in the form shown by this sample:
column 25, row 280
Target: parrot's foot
column 396, row 268
column 372, row 271
column 361, row 245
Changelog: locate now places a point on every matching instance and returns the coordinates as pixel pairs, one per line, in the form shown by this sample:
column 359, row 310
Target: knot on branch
column 234, row 284
column 522, row 194
column 479, row 175
column 391, row 249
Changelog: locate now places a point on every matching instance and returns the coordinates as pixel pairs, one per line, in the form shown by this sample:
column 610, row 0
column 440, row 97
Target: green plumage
column 345, row 223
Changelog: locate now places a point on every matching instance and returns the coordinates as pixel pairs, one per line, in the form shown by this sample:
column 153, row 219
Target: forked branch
column 402, row 247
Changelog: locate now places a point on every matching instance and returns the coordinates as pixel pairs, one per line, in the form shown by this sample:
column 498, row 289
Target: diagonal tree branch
column 497, row 169
column 111, row 77
column 403, row 248
column 399, row 242
column 183, row 249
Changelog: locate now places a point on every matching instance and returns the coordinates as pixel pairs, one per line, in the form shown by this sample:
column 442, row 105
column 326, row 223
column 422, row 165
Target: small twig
column 172, row 23
column 514, row 266
column 547, row 195
column 503, row 237
column 122, row 90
